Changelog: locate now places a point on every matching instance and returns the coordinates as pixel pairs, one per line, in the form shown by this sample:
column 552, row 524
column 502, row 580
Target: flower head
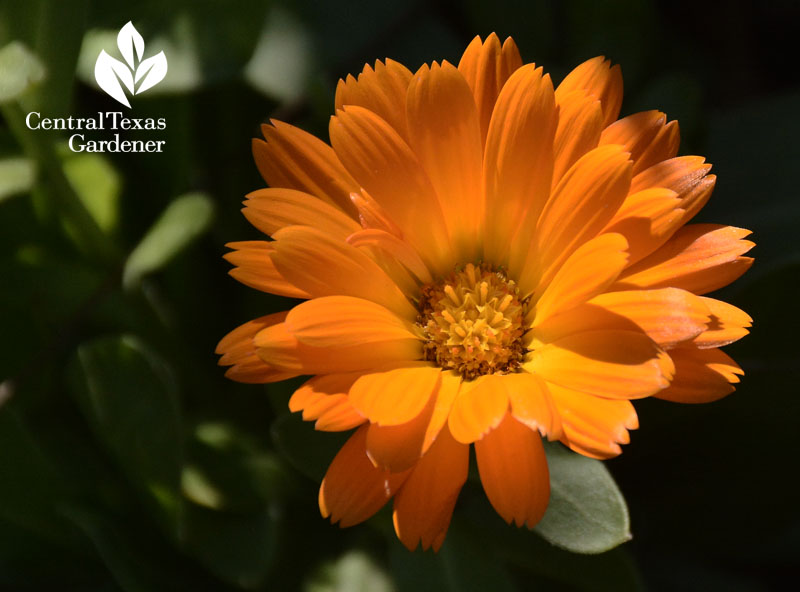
column 483, row 259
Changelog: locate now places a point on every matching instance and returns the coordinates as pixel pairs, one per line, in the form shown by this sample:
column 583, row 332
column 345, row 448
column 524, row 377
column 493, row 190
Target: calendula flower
column 482, row 259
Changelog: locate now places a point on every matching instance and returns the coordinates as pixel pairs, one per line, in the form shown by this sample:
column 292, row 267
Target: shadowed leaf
column 181, row 222
column 16, row 176
column 587, row 513
column 129, row 397
column 19, row 70
column 237, row 547
column 308, row 450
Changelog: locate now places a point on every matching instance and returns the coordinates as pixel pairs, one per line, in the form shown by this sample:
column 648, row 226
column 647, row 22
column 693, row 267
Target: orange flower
column 483, row 259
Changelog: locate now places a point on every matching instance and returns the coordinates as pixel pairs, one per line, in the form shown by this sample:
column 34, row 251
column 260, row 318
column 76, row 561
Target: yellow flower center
column 472, row 322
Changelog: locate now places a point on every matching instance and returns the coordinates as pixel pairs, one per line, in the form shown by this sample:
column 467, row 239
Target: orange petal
column 254, row 268
column 280, row 349
column 580, row 122
column 398, row 447
column 589, row 271
column 324, row 399
column 254, row 372
column 598, row 79
column 296, row 159
column 647, row 219
column 518, row 160
column 700, row 258
column 333, row 321
column 728, row 324
column 447, row 393
column 372, row 215
column 593, row 426
column 382, row 91
column 679, row 174
column 398, row 273
column 383, row 241
column 701, row 376
column 582, row 203
column 613, row 364
column 668, row 316
column 531, row 403
column 445, row 134
column 486, row 67
column 425, row 502
column 395, row 247
column 239, row 352
column 514, row 474
column 586, row 317
column 270, row 210
column 480, row 406
column 694, row 198
column 353, row 488
column 395, row 395
column 238, row 344
column 323, row 266
column 386, row 167
column 646, row 135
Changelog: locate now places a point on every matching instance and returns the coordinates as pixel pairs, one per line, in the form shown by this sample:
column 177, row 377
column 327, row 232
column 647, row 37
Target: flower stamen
column 472, row 322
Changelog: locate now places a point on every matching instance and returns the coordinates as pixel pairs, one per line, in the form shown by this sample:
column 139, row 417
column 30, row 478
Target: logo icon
column 135, row 74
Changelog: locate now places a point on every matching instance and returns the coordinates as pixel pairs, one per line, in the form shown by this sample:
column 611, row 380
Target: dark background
column 180, row 479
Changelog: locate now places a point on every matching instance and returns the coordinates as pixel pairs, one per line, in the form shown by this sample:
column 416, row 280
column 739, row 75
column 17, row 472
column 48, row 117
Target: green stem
column 59, row 32
column 39, row 146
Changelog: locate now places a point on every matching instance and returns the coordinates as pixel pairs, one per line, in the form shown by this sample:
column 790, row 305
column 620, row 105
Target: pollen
column 472, row 322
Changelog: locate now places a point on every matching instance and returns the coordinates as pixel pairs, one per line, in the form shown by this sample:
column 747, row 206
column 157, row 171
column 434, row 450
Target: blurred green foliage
column 127, row 462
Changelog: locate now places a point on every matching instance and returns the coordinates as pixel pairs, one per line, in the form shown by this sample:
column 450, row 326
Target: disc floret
column 472, row 322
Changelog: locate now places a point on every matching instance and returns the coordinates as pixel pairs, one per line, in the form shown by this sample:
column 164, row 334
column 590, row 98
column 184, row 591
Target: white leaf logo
column 128, row 40
column 108, row 72
column 135, row 75
column 151, row 71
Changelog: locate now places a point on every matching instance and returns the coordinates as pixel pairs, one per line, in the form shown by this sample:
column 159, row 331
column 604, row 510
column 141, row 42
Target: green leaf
column 468, row 568
column 463, row 564
column 30, row 484
column 237, row 547
column 19, row 71
column 50, row 292
column 613, row 570
column 476, row 522
column 281, row 62
column 131, row 569
column 137, row 557
column 39, row 145
column 97, row 184
column 587, row 513
column 33, row 563
column 230, row 470
column 129, row 397
column 419, row 571
column 354, row 571
column 181, row 222
column 16, row 176
column 59, row 31
column 308, row 450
